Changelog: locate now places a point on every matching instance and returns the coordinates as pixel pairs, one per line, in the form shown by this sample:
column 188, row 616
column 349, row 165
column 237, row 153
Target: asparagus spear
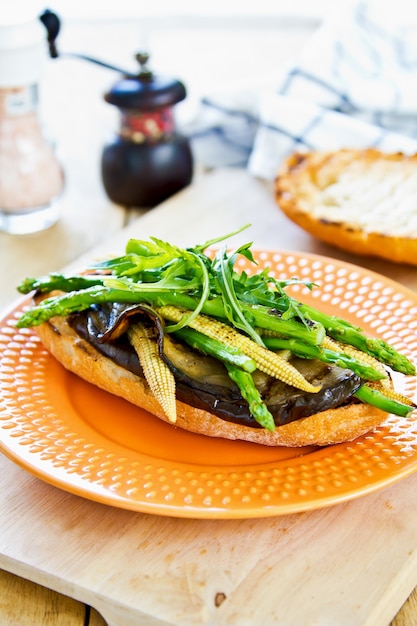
column 346, row 333
column 59, row 282
column 75, row 301
column 376, row 398
column 257, row 406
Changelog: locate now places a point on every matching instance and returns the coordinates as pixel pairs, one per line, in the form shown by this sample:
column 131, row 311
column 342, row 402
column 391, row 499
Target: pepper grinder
column 148, row 160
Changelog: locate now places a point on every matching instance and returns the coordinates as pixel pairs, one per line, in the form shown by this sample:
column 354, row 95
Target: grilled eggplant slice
column 203, row 382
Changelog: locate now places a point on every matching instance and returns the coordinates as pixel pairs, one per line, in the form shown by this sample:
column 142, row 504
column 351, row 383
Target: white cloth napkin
column 353, row 85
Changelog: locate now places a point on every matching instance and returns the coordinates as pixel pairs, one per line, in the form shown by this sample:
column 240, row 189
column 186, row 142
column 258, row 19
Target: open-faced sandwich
column 363, row 201
column 186, row 336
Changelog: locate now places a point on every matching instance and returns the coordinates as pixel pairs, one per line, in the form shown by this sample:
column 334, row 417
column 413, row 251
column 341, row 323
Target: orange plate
column 81, row 439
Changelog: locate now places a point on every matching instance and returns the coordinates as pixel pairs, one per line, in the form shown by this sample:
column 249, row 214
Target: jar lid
column 145, row 91
column 22, row 47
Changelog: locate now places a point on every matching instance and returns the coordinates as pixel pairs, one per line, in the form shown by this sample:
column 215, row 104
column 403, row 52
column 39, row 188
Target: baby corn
column 267, row 361
column 157, row 374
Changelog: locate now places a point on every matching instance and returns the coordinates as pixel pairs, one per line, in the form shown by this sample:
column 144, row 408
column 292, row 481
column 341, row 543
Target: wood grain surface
column 69, row 562
column 143, row 569
column 26, row 603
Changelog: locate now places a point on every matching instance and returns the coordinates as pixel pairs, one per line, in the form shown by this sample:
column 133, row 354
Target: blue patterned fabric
column 353, row 85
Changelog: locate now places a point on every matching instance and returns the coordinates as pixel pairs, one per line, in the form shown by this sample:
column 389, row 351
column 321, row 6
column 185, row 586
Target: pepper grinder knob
column 143, row 58
column 52, row 24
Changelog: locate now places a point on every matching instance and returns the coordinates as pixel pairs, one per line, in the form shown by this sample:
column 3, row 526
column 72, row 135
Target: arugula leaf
column 202, row 247
column 223, row 269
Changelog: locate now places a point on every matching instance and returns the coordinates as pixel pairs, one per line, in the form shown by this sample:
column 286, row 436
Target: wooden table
column 222, row 200
column 37, row 519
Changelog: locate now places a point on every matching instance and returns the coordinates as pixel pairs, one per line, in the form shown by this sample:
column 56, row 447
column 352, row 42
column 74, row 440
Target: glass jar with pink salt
column 31, row 178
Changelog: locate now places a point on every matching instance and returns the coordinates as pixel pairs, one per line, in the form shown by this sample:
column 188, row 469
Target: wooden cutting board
column 353, row 564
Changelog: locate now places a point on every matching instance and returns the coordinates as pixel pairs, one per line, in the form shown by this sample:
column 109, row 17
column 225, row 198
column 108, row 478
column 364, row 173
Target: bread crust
column 325, row 428
column 303, row 178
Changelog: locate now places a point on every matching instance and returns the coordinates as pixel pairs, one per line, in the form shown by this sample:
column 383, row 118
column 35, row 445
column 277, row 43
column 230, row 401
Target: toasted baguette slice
column 363, row 201
column 328, row 427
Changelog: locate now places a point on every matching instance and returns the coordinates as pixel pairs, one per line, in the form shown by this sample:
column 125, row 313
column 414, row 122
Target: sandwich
column 185, row 335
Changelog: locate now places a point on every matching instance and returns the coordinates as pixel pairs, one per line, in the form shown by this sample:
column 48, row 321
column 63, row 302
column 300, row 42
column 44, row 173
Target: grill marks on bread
column 364, row 201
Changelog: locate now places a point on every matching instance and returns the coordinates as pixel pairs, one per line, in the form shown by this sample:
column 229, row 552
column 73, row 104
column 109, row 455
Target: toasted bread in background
column 363, row 201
